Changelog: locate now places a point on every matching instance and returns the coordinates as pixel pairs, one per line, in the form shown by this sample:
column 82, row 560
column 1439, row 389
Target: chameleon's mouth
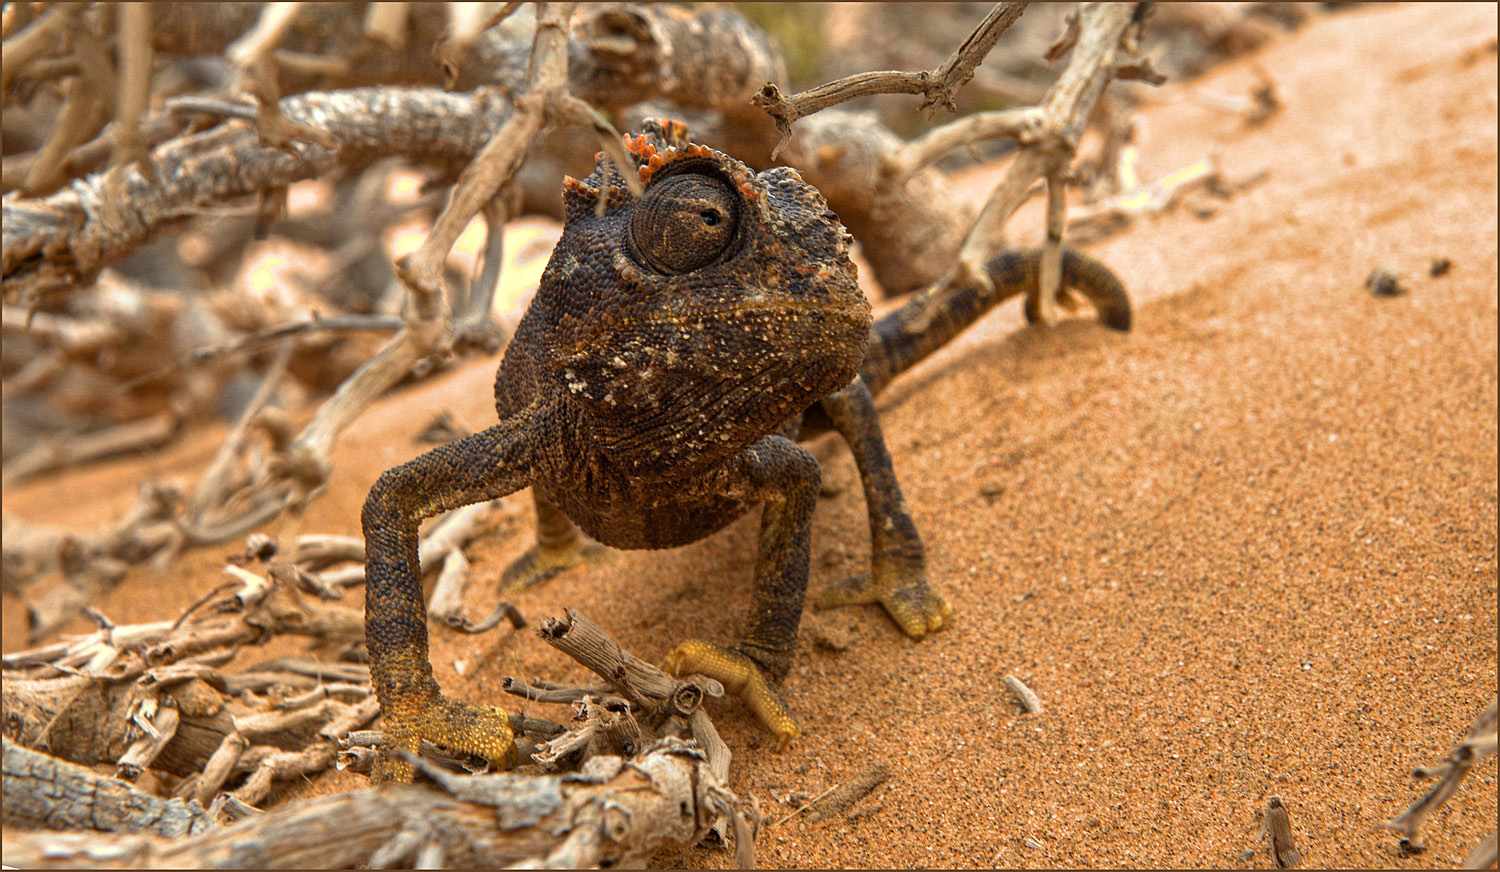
column 760, row 308
column 852, row 319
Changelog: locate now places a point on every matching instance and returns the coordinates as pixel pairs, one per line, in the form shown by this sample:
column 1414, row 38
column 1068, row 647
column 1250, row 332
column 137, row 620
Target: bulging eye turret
column 684, row 222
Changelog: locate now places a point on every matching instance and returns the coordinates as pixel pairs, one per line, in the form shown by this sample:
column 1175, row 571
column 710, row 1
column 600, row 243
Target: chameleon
column 679, row 345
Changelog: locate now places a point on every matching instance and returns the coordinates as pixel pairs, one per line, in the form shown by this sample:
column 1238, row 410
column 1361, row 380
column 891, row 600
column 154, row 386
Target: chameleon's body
column 677, row 346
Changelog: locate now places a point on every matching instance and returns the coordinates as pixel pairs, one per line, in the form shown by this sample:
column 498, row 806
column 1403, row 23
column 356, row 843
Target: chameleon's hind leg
column 898, row 565
column 560, row 546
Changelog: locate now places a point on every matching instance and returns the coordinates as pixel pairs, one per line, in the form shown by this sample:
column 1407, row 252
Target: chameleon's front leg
column 785, row 477
column 898, row 563
column 484, row 466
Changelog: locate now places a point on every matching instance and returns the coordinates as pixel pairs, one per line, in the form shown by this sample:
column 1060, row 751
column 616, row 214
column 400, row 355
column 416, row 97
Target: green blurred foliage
column 798, row 31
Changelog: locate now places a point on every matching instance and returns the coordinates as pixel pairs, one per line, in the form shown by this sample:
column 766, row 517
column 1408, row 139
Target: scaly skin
column 677, row 346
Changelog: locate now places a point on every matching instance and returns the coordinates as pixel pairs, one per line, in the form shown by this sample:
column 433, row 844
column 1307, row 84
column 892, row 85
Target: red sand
column 1247, row 549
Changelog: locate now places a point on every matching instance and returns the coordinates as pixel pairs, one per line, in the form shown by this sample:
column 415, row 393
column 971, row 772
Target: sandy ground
column 1248, row 549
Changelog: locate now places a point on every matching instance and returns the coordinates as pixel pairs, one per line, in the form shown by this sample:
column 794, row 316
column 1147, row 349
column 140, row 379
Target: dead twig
column 43, row 791
column 937, row 87
column 52, row 454
column 85, row 110
column 616, row 814
column 503, row 611
column 135, row 89
column 386, row 23
column 316, row 324
column 455, row 530
column 31, row 550
column 805, row 806
column 1023, row 125
column 125, row 696
column 664, row 702
column 64, row 240
column 1101, row 37
column 1276, row 830
column 465, row 25
column 213, row 485
column 1023, row 694
column 1197, row 185
column 35, row 40
column 843, row 797
column 1475, row 748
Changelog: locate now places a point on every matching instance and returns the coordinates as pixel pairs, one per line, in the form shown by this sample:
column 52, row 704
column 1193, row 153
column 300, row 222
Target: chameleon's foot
column 911, row 602
column 542, row 562
column 465, row 727
column 741, row 677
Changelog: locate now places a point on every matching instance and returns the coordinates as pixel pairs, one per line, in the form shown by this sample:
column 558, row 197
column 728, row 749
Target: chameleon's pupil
column 711, row 218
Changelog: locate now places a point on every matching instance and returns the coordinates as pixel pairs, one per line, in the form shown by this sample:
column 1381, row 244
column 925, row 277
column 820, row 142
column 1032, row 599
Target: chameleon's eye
column 684, row 222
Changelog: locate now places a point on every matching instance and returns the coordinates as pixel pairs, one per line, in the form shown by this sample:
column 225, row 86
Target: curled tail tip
column 1102, row 287
column 1117, row 319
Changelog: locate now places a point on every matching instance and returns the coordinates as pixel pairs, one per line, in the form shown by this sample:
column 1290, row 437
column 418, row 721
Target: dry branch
column 180, row 717
column 667, row 704
column 32, row 550
column 1276, row 832
column 1023, row 694
column 625, row 53
column 43, row 791
column 616, row 813
column 135, row 88
column 64, row 239
column 455, row 530
column 1101, row 38
column 85, row 104
column 909, row 230
column 213, row 485
column 34, row 41
column 843, row 797
column 1475, row 748
column 937, row 87
column 52, row 454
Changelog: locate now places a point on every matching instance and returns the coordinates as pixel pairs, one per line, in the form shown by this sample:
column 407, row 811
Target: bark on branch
column 1100, row 38
column 616, row 813
column 63, row 240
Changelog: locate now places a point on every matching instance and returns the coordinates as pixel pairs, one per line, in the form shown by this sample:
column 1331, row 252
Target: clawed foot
column 911, row 602
column 465, row 727
column 741, row 677
column 542, row 562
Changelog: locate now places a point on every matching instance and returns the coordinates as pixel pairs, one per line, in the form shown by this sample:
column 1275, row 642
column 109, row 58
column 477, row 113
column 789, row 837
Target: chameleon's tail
column 926, row 323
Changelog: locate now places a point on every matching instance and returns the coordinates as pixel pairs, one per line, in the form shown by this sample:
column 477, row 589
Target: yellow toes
column 741, row 677
column 911, row 602
column 465, row 727
column 540, row 563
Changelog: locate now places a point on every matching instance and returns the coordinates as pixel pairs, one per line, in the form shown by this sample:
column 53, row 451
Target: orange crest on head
column 660, row 139
column 657, row 159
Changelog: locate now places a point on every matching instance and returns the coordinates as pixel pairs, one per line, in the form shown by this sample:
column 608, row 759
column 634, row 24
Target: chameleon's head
column 716, row 304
